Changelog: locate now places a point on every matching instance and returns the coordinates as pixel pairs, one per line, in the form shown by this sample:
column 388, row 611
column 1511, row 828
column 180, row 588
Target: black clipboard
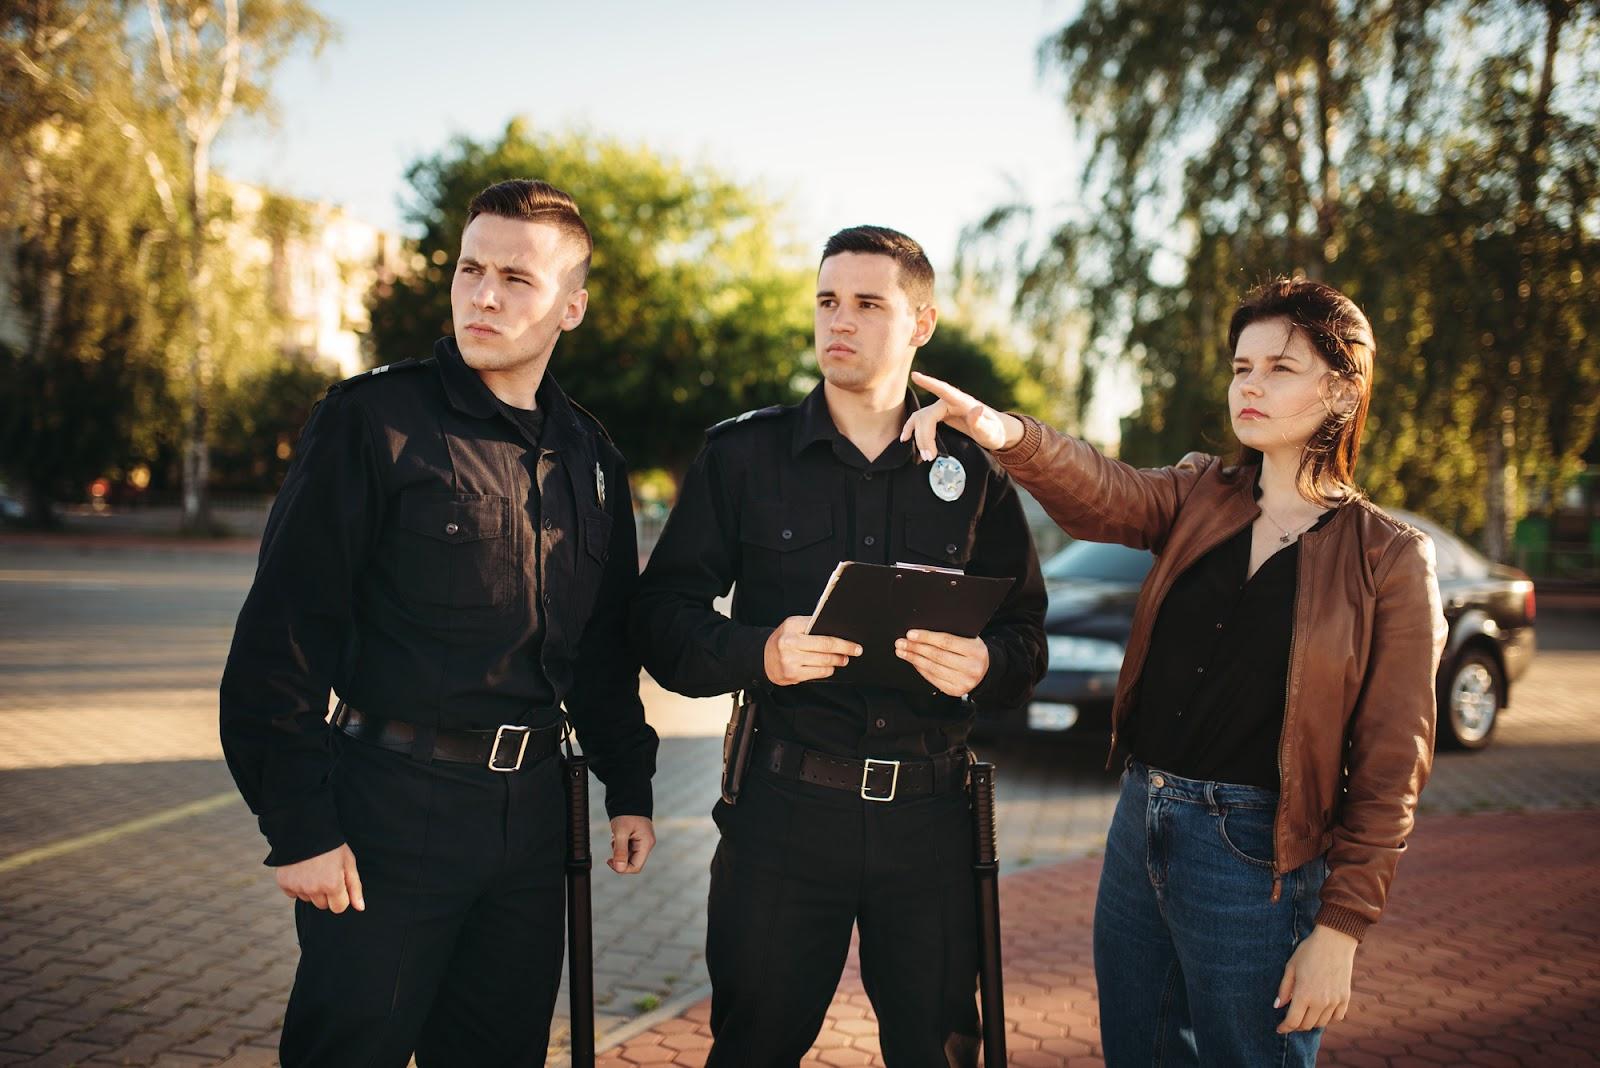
column 873, row 605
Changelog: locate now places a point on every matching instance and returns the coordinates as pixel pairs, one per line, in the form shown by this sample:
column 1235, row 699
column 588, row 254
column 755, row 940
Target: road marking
column 94, row 838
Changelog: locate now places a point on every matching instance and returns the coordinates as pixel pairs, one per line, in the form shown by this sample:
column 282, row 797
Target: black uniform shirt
column 1215, row 682
column 773, row 502
column 430, row 563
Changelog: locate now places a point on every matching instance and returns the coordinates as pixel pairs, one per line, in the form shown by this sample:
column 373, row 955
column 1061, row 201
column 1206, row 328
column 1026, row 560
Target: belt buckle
column 494, row 750
column 894, row 779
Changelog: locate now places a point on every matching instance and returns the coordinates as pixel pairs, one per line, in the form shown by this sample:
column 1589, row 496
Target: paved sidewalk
column 137, row 925
column 1488, row 955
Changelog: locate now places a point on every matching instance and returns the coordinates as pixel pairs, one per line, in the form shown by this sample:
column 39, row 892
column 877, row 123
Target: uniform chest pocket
column 456, row 549
column 597, row 536
column 788, row 551
column 940, row 538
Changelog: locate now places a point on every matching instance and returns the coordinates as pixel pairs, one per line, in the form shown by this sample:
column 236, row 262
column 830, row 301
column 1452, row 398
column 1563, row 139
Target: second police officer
column 854, row 813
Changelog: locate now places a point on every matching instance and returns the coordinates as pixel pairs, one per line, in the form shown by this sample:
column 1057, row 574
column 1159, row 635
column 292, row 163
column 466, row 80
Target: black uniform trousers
column 458, row 954
column 798, row 866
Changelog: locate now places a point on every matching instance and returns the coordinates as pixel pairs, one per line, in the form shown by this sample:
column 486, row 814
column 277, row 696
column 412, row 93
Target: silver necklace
column 1289, row 535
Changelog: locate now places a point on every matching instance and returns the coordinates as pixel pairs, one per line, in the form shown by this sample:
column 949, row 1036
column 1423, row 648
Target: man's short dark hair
column 916, row 273
column 534, row 201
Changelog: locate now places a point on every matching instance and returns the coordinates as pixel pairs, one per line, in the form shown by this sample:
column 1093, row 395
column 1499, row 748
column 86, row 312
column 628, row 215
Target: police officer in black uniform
column 853, row 813
column 453, row 553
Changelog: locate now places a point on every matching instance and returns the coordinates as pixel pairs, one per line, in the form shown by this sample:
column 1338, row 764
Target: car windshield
column 1098, row 562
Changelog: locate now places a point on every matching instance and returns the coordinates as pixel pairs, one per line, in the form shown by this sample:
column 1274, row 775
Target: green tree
column 696, row 309
column 1438, row 161
column 92, row 265
column 201, row 63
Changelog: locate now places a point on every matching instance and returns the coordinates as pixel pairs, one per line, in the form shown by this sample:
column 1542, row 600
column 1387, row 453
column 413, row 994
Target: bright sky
column 915, row 114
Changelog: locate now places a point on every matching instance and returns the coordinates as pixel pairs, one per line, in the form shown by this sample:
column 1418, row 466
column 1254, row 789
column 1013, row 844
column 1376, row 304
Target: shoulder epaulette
column 374, row 372
column 586, row 413
column 754, row 413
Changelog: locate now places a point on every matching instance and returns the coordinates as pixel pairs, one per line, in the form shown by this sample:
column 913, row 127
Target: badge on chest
column 947, row 478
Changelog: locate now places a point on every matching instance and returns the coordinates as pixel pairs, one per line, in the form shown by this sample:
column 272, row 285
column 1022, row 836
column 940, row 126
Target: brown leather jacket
column 1358, row 717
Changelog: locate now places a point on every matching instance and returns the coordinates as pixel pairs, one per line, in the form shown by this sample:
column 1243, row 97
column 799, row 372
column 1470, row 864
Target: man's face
column 515, row 290
column 867, row 328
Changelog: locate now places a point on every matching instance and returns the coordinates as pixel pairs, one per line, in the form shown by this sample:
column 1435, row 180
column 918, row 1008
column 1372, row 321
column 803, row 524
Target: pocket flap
column 785, row 528
column 597, row 535
column 456, row 517
column 933, row 535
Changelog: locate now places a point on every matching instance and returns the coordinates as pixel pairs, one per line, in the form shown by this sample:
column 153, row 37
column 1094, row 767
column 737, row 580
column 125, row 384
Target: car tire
column 1471, row 698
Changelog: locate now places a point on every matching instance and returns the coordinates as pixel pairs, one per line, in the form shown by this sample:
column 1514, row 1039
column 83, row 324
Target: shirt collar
column 816, row 424
column 468, row 394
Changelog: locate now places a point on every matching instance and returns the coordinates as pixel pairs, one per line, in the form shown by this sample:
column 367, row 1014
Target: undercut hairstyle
column 916, row 273
column 531, row 200
column 1338, row 329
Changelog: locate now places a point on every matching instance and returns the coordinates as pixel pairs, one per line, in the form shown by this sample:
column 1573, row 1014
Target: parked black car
column 1093, row 587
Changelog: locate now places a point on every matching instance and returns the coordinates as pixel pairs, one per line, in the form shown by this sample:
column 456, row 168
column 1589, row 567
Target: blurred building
column 321, row 264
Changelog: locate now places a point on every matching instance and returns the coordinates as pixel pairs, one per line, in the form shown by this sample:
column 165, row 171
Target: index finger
column 821, row 643
column 958, row 401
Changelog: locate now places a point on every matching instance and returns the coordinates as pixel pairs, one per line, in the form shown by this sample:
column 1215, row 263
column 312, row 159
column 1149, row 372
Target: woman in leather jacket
column 1276, row 695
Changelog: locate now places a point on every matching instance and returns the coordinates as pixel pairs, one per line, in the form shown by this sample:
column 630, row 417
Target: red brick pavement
column 1488, row 955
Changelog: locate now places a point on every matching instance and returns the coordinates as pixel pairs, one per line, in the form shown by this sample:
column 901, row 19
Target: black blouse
column 1215, row 682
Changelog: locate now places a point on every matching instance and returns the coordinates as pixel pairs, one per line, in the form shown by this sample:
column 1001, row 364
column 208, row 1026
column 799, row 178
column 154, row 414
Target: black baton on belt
column 580, row 922
column 986, row 874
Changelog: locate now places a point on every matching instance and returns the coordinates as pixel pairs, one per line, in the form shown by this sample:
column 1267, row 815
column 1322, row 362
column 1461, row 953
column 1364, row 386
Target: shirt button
column 866, row 476
column 951, row 549
column 881, row 723
column 1219, row 626
column 869, row 540
column 452, row 529
column 1199, row 671
column 787, row 535
column 547, row 598
column 550, row 524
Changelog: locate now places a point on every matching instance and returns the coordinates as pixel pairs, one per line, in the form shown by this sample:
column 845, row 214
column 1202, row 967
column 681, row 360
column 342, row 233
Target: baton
column 580, row 926
column 986, row 875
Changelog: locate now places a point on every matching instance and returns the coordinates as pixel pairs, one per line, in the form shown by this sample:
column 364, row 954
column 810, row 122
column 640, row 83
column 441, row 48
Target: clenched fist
column 794, row 656
column 327, row 880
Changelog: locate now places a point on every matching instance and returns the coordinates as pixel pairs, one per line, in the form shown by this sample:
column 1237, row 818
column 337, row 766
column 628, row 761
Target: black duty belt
column 506, row 748
column 872, row 779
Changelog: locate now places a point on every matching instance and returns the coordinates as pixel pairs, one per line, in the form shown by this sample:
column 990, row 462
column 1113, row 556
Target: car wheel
column 1470, row 702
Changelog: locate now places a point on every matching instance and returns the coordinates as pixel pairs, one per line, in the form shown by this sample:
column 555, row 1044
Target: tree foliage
column 107, row 114
column 696, row 311
column 1437, row 161
column 90, row 261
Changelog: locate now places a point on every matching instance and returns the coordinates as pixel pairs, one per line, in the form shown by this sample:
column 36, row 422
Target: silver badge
column 600, row 485
column 947, row 478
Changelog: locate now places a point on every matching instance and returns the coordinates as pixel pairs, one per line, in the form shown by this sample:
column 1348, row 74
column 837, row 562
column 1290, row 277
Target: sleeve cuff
column 632, row 797
column 1024, row 450
column 1343, row 920
column 301, row 831
column 750, row 655
column 993, row 680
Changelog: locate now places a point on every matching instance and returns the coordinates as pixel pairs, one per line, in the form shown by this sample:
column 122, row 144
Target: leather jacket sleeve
column 1390, row 738
column 1096, row 498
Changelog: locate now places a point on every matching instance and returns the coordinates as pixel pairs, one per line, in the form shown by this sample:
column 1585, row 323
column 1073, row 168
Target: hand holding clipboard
column 874, row 605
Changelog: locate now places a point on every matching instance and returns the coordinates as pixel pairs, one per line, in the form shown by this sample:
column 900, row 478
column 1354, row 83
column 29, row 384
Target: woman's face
column 1276, row 397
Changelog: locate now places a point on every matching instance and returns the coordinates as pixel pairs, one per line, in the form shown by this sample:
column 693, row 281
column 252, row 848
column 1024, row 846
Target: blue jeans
column 1189, row 947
